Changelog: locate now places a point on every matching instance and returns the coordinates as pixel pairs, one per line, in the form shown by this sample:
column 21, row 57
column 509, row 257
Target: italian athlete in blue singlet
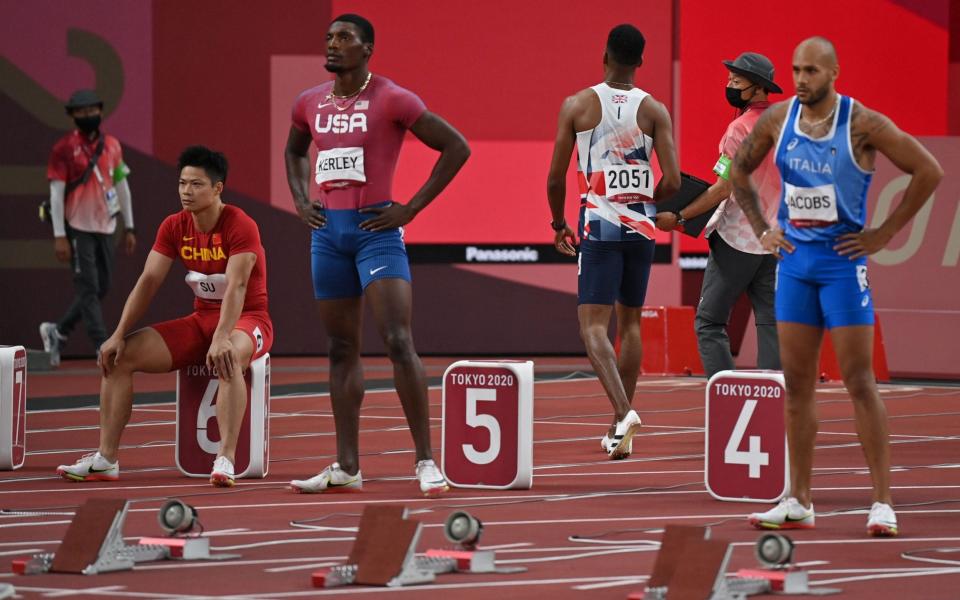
column 825, row 146
column 824, row 195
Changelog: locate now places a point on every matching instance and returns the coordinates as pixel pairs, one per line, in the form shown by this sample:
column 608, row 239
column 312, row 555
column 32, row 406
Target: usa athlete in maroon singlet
column 357, row 123
column 227, row 271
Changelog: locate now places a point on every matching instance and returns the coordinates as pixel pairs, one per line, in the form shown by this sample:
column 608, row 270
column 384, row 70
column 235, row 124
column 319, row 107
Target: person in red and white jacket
column 88, row 188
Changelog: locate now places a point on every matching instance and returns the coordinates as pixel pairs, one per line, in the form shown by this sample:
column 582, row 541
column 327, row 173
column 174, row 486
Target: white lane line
column 112, row 591
column 33, row 524
column 614, row 582
column 22, row 552
column 92, row 591
column 306, row 567
column 279, row 485
column 432, row 587
column 863, row 540
column 886, row 576
column 581, row 554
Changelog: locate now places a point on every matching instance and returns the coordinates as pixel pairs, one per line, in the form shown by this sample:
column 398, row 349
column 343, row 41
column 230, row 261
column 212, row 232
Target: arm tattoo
column 864, row 125
column 747, row 158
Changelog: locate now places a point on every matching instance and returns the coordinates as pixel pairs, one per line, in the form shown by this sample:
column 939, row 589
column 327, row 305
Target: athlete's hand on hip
column 222, row 356
column 666, row 221
column 108, row 356
column 565, row 241
column 386, row 217
column 312, row 214
column 773, row 241
column 862, row 243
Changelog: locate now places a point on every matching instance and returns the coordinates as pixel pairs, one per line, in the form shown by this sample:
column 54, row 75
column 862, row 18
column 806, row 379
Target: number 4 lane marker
column 753, row 458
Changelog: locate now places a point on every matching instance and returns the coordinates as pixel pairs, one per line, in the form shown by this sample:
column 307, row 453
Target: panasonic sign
column 502, row 255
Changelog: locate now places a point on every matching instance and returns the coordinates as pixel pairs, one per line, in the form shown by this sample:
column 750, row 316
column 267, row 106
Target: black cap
column 82, row 98
column 755, row 67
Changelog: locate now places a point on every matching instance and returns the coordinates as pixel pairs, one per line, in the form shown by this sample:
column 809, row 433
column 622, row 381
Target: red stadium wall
column 212, row 76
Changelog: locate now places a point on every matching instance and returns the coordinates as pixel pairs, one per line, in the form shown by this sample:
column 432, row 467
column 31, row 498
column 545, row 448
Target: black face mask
column 734, row 97
column 87, row 124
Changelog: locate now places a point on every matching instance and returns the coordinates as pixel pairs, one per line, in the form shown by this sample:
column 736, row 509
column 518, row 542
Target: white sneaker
column 788, row 514
column 882, row 521
column 332, row 479
column 432, row 481
column 90, row 467
column 52, row 340
column 606, row 441
column 620, row 446
column 222, row 474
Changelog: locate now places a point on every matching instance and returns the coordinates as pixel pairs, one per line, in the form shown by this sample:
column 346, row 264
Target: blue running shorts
column 614, row 271
column 346, row 259
column 818, row 287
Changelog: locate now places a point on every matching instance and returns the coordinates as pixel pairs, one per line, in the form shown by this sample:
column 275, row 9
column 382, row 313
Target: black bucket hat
column 755, row 67
column 82, row 98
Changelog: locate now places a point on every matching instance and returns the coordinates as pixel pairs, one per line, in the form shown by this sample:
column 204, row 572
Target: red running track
column 576, row 492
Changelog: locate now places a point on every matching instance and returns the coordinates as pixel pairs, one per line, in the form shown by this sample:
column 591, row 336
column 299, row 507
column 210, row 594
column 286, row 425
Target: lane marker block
column 13, row 407
column 487, row 425
column 198, row 436
column 746, row 458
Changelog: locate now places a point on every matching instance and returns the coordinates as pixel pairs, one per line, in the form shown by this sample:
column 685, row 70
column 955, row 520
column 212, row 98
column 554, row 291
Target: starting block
column 13, row 407
column 487, row 425
column 187, row 548
column 746, row 455
column 93, row 544
column 465, row 561
column 382, row 553
column 691, row 565
column 198, row 437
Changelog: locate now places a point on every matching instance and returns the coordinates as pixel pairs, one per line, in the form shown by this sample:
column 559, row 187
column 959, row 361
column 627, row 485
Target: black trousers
column 92, row 265
column 730, row 273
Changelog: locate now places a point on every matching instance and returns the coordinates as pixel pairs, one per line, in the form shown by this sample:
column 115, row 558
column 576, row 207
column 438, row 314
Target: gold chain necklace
column 823, row 120
column 356, row 95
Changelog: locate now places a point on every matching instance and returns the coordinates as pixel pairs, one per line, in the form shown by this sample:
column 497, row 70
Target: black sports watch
column 680, row 219
column 558, row 226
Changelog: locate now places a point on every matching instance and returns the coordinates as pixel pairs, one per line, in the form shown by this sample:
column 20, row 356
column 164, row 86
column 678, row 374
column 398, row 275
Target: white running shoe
column 432, row 481
column 788, row 514
column 331, row 479
column 882, row 521
column 605, row 445
column 620, row 446
column 222, row 474
column 90, row 467
column 52, row 340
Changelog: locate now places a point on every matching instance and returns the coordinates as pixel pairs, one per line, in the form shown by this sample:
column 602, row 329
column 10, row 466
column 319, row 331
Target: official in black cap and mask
column 737, row 263
column 88, row 188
